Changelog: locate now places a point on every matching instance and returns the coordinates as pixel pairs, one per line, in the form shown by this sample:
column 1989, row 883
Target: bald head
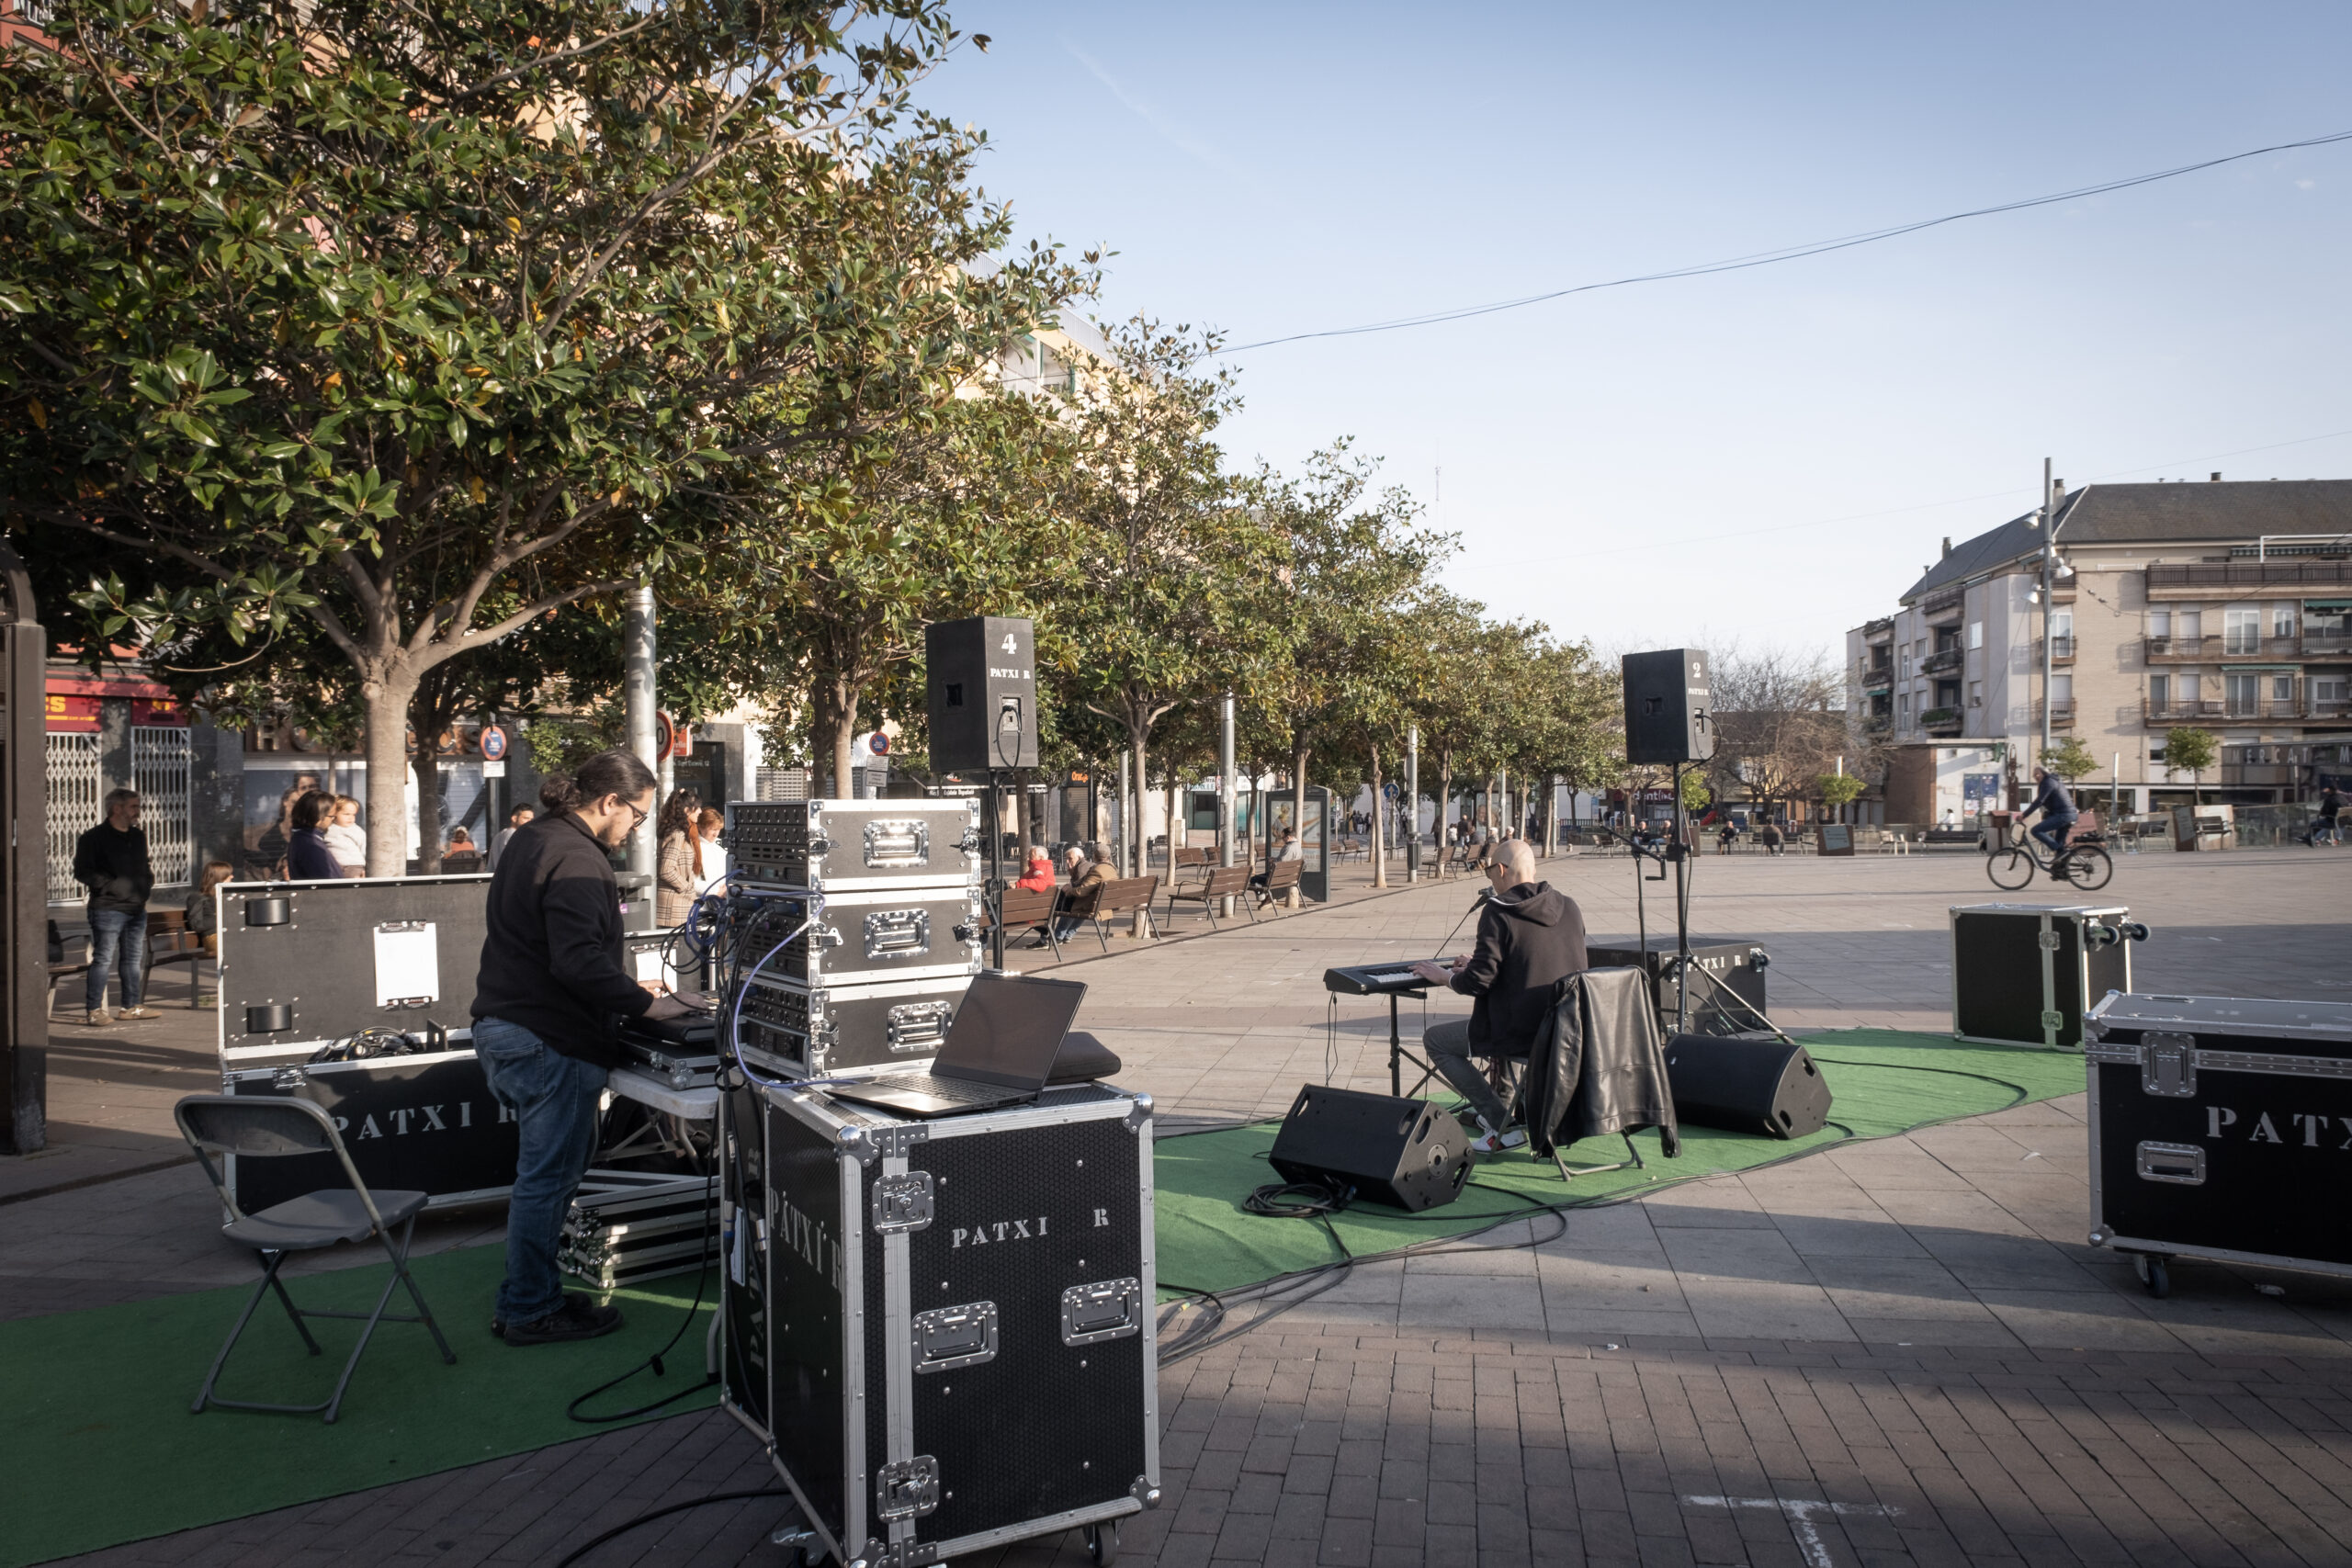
column 1514, row 855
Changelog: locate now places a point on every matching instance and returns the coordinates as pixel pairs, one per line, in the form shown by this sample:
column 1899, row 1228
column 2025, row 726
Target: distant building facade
column 2223, row 606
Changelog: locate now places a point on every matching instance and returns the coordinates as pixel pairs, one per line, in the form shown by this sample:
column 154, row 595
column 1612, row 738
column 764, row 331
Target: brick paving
column 1899, row 1352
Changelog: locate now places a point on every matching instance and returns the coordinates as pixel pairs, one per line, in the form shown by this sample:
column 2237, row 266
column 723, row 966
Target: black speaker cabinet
column 1407, row 1154
column 1727, row 994
column 1670, row 706
column 983, row 694
column 1765, row 1087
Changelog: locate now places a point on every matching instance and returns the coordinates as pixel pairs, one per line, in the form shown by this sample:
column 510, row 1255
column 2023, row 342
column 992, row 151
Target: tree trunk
column 1379, row 824
column 844, row 715
column 1445, row 797
column 386, row 702
column 1138, row 737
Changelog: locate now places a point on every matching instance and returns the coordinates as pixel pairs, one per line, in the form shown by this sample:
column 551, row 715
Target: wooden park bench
column 1125, row 895
column 1224, row 882
column 170, row 942
column 1030, row 909
column 1281, row 877
column 62, row 968
column 1202, row 860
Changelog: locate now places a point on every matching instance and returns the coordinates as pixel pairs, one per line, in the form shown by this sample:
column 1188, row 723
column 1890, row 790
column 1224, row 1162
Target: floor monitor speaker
column 1669, row 708
column 1767, row 1086
column 1407, row 1153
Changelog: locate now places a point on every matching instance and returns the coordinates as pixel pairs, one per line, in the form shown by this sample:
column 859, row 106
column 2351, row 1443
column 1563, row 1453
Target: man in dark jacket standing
column 111, row 860
column 1531, row 937
column 552, row 987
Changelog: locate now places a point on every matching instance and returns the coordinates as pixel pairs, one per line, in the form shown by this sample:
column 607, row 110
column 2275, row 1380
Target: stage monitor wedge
column 982, row 693
column 1765, row 1086
column 1406, row 1154
column 1669, row 708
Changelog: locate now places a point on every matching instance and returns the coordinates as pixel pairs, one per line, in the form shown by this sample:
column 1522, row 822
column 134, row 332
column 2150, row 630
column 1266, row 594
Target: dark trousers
column 117, row 941
column 554, row 1098
column 1449, row 1048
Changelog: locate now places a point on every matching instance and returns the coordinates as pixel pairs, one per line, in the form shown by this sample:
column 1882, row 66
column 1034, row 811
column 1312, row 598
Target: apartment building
column 2221, row 604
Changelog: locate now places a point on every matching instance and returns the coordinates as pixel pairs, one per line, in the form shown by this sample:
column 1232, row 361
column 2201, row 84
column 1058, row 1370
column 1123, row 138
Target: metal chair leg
column 400, row 1262
column 269, row 1277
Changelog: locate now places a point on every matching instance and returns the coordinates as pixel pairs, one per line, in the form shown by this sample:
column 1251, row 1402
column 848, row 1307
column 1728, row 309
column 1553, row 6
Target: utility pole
column 1226, row 792
column 2049, row 561
column 637, row 696
column 1412, row 803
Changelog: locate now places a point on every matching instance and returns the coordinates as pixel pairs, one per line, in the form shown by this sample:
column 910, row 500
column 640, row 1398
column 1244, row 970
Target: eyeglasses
column 638, row 813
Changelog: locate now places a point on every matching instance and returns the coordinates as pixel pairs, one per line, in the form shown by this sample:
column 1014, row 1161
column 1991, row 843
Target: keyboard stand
column 1397, row 1054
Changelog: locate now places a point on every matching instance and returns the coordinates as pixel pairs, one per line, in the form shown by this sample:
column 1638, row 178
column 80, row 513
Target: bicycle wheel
column 2011, row 868
column 2087, row 867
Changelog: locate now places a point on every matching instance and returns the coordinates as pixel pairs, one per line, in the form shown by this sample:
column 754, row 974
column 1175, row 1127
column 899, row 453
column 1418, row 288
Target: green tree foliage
column 2191, row 751
column 419, row 325
column 2070, row 760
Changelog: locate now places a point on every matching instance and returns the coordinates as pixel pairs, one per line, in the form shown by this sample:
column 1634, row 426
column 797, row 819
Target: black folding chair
column 269, row 1128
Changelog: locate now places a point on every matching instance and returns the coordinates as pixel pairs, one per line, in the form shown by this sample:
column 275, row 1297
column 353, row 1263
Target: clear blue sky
column 1278, row 168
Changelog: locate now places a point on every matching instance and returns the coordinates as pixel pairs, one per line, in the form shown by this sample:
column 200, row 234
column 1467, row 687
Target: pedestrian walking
column 517, row 821
column 2329, row 820
column 111, row 860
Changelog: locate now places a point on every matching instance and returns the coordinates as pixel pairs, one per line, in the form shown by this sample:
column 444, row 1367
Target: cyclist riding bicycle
column 2058, row 814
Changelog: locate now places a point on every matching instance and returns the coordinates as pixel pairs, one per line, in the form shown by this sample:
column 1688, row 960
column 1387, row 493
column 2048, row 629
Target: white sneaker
column 95, row 1017
column 1492, row 1143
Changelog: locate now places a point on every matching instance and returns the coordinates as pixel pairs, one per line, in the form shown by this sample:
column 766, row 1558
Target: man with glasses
column 551, row 992
column 1531, row 937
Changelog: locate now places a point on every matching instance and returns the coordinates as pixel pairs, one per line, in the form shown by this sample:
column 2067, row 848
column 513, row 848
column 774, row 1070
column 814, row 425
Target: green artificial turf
column 1884, row 1082
column 97, row 1445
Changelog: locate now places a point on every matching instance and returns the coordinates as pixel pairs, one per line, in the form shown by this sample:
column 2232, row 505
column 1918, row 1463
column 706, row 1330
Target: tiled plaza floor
column 1898, row 1352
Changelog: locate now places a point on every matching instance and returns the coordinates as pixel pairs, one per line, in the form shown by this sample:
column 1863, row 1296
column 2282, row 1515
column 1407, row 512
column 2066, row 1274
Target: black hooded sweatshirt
column 1529, row 939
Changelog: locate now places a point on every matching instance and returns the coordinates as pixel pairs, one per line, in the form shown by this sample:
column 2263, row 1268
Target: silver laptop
column 999, row 1051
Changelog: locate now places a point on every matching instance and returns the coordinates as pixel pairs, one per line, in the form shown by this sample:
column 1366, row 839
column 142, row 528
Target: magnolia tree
column 417, row 325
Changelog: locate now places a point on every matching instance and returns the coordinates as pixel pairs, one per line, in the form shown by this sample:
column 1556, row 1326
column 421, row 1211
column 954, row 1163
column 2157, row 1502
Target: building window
column 2062, row 690
column 2282, row 688
column 2241, row 631
column 1975, row 633
column 2185, row 692
column 2241, row 695
column 1903, row 709
column 2282, row 620
column 2160, row 622
column 2159, row 691
column 1976, row 694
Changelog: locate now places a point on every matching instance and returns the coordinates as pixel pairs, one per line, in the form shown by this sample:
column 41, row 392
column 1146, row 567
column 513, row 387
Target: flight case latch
column 901, row 1202
column 2168, row 1065
column 907, row 1489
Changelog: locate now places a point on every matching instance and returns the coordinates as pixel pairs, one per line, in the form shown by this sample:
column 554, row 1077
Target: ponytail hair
column 607, row 772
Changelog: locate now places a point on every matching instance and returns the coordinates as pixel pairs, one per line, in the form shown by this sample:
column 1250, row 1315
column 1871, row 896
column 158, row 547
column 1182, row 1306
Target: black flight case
column 2222, row 1128
column 847, row 846
column 944, row 1331
column 2025, row 974
column 305, row 968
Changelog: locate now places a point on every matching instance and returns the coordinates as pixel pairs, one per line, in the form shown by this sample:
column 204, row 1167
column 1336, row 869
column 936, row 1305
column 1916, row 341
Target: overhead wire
column 1787, row 253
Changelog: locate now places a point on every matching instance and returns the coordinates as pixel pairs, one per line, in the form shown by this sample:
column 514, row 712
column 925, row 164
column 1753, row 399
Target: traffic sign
column 492, row 742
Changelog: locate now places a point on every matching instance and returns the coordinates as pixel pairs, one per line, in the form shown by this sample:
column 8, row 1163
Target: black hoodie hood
column 1534, row 902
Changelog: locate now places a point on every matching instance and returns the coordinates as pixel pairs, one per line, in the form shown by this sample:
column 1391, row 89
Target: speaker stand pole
column 996, row 871
column 1678, row 850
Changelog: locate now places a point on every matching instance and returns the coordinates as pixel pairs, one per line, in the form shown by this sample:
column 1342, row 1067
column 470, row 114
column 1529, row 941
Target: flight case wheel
column 2153, row 1273
column 1103, row 1544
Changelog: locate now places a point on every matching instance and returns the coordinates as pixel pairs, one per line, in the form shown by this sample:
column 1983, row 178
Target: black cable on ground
column 577, row 1552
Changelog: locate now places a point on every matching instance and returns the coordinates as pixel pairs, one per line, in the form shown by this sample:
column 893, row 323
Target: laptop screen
column 1008, row 1030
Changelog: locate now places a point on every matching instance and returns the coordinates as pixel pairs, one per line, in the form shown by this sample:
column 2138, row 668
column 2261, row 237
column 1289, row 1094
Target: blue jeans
column 554, row 1098
column 2053, row 834
column 118, row 938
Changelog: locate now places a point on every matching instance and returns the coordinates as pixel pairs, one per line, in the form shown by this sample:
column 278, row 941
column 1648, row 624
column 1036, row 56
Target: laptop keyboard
column 954, row 1090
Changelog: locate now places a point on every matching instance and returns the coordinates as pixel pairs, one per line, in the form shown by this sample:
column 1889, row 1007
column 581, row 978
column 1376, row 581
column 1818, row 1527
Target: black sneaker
column 577, row 1299
column 577, row 1318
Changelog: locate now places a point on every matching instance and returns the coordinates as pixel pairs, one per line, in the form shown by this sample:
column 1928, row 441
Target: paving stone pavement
column 1898, row 1352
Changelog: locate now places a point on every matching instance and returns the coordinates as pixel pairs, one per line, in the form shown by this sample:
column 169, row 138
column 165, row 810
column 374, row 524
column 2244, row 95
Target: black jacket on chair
column 1599, row 1066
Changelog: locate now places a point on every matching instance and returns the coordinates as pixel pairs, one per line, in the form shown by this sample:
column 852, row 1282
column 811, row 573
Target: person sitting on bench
column 1531, row 937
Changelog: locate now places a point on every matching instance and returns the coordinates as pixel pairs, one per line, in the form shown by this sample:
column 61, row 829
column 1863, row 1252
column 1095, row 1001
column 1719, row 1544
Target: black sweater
column 1529, row 939
column 112, row 864
column 551, row 960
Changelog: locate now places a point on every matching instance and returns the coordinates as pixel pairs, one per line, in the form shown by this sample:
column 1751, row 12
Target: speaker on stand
column 1670, row 719
column 982, row 702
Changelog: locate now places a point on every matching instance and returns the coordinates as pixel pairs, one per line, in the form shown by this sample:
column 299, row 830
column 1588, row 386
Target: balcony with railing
column 2220, row 649
column 1942, row 721
column 1942, row 660
column 1943, row 603
column 2251, row 575
column 2061, row 712
column 2242, row 711
column 2327, row 643
column 2061, row 650
column 1877, row 677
